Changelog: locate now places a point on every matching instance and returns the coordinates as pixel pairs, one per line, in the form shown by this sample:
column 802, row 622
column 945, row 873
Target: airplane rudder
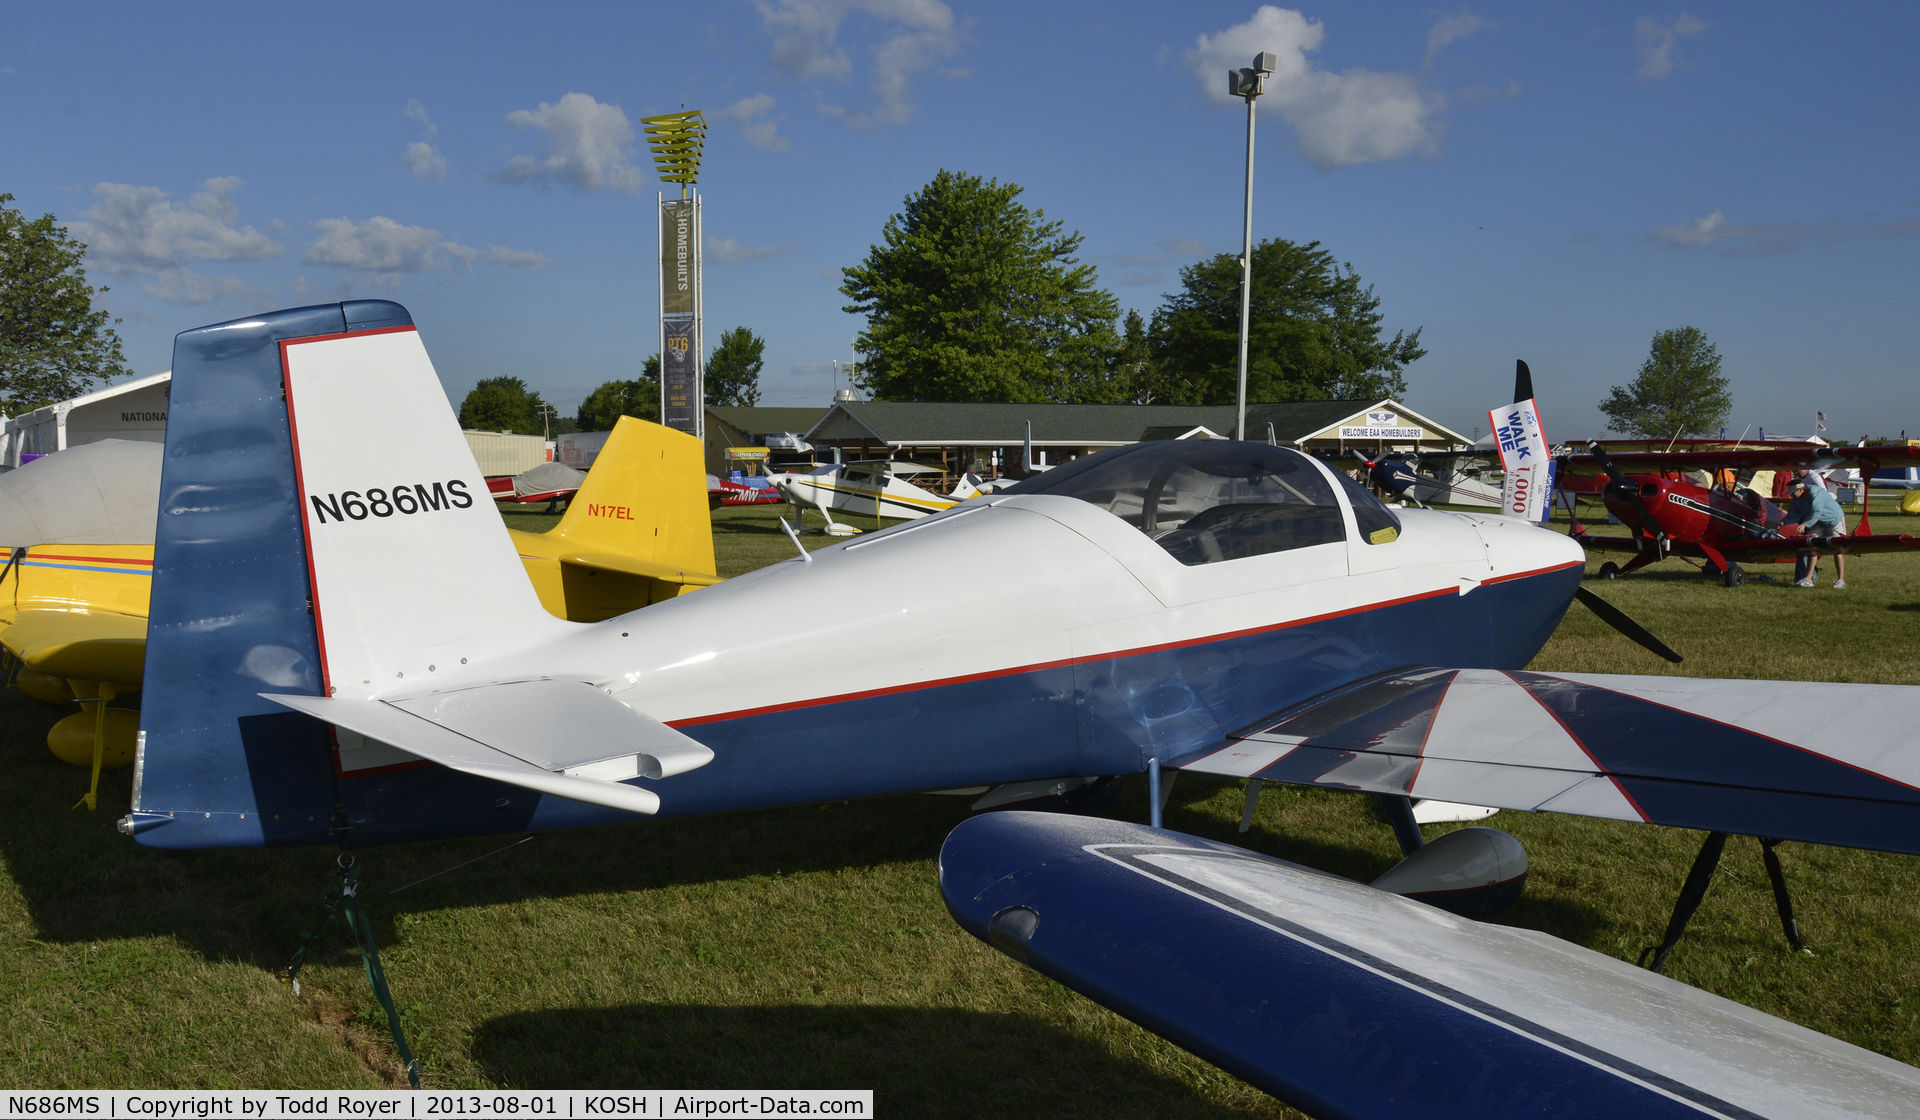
column 230, row 614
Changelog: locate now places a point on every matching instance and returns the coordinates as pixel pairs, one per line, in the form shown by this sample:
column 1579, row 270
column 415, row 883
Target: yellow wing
column 81, row 645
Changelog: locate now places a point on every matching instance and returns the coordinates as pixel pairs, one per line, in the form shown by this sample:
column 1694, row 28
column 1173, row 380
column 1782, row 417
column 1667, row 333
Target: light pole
column 1248, row 83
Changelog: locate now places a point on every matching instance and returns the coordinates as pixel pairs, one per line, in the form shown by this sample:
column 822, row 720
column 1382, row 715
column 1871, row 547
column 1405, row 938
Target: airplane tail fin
column 645, row 499
column 303, row 548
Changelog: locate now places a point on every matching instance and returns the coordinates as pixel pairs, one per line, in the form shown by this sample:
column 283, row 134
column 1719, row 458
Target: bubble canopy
column 1211, row 501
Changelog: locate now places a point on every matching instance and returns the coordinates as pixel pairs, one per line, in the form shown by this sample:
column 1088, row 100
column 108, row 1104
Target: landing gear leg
column 1253, row 803
column 1691, row 895
column 1781, row 900
column 1405, row 828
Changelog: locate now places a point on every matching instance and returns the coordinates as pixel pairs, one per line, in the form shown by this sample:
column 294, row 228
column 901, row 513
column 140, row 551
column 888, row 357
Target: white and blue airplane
column 318, row 671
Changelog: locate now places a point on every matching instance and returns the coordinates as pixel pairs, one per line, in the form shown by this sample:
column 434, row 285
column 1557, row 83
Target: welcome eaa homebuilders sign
column 1381, row 424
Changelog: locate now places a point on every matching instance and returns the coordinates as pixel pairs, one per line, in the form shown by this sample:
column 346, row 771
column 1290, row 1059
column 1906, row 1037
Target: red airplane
column 1671, row 516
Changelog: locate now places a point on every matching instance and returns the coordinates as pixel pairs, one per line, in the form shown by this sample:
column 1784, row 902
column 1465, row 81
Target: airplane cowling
column 1472, row 872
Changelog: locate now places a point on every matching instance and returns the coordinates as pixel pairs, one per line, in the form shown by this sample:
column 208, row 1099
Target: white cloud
column 1738, row 240
column 1715, row 231
column 759, row 133
column 1480, row 92
column 1700, row 231
column 421, row 159
column 1654, row 41
column 1451, row 29
column 727, row 249
column 140, row 231
column 424, row 162
column 587, row 147
column 384, row 246
column 1357, row 116
column 1186, row 246
column 180, row 285
column 915, row 34
column 517, row 258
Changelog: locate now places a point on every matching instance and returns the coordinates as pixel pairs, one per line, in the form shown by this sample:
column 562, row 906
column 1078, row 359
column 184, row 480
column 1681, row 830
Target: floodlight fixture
column 1250, row 81
column 677, row 140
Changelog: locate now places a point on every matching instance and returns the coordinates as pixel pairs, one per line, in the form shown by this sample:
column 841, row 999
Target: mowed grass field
column 807, row 947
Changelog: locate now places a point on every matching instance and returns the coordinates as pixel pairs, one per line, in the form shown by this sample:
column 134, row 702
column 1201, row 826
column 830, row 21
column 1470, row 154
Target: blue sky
column 1554, row 182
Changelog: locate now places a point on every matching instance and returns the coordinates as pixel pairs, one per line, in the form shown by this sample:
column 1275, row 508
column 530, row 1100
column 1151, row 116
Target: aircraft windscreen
column 1745, row 505
column 1205, row 501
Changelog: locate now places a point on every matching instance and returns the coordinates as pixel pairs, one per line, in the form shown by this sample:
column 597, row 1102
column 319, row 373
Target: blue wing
column 1346, row 1001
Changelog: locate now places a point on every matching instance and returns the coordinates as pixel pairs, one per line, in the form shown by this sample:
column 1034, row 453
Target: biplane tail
column 304, row 550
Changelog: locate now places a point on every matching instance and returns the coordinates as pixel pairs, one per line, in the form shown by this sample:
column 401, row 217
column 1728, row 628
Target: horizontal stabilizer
column 566, row 738
column 1347, row 1001
column 633, row 566
column 1759, row 758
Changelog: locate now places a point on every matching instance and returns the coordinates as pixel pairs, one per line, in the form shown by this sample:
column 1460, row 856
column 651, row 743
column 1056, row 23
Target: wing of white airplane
column 1758, row 758
column 1347, row 1001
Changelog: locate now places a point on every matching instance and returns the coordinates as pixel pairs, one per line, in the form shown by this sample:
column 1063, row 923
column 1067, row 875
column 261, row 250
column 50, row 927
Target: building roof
column 934, row 424
column 757, row 420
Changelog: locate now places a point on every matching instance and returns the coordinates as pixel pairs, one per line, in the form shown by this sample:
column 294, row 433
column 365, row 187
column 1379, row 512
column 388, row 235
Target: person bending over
column 1818, row 515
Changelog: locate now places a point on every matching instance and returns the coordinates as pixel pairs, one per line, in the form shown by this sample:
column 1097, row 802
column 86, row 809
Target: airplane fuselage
column 1079, row 647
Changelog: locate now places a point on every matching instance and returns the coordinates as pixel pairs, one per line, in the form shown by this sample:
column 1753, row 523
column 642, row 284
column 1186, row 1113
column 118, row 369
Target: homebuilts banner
column 679, row 257
column 1528, row 489
column 682, row 396
column 679, row 377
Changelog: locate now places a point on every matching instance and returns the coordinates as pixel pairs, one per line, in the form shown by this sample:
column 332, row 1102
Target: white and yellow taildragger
column 874, row 489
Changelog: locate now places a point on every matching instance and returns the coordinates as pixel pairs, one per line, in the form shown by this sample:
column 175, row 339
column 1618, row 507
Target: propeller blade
column 1614, row 617
column 1622, row 488
column 1522, row 382
column 1606, row 463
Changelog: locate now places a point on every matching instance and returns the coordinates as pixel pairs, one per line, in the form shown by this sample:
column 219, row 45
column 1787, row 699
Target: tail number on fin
column 354, row 505
column 618, row 513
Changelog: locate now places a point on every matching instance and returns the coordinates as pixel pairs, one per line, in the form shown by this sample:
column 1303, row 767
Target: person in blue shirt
column 1818, row 515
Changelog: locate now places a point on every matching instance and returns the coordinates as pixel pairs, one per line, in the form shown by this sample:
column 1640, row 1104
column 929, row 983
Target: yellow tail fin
column 639, row 529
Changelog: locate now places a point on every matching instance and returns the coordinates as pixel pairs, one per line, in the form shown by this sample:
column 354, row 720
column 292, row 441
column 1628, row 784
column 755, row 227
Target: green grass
column 807, row 947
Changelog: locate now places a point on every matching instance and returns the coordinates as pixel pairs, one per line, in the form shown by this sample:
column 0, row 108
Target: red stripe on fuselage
column 990, row 674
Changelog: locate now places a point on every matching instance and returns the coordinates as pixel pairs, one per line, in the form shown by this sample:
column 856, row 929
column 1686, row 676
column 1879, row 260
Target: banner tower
column 677, row 140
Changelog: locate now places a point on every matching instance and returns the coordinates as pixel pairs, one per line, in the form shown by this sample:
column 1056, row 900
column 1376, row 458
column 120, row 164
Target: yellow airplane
column 73, row 613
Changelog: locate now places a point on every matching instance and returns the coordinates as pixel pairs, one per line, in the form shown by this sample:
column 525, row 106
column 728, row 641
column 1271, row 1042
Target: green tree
column 1132, row 366
column 733, row 373
column 604, row 407
column 502, row 404
column 1313, row 332
column 53, row 344
column 973, row 297
column 1680, row 390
